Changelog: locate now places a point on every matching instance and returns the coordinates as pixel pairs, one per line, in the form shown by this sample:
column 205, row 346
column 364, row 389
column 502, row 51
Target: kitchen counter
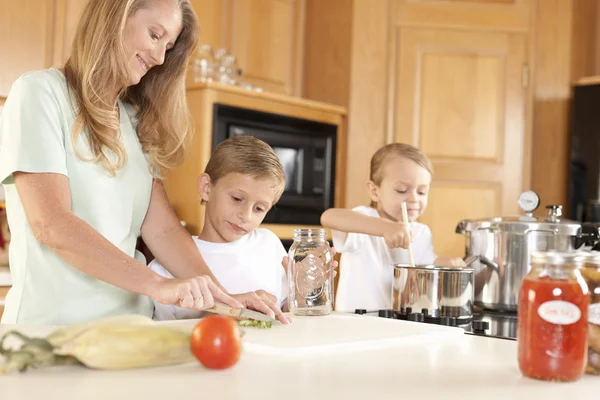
column 462, row 367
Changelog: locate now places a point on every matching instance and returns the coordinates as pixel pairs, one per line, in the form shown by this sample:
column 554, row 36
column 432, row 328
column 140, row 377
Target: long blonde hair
column 98, row 65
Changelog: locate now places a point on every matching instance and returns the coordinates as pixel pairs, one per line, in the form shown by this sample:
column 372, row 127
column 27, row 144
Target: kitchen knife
column 222, row 309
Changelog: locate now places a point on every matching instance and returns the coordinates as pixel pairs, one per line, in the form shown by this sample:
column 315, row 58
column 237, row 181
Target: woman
column 82, row 151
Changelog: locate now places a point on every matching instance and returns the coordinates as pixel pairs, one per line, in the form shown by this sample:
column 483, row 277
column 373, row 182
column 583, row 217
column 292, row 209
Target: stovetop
column 493, row 324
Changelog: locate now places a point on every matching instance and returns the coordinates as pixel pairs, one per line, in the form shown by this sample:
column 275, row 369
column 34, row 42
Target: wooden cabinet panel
column 26, row 38
column 485, row 14
column 266, row 38
column 461, row 93
column 450, row 203
column 459, row 96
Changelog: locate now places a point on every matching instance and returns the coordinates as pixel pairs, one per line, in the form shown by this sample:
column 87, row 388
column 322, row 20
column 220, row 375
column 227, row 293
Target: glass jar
column 591, row 273
column 310, row 273
column 204, row 64
column 553, row 317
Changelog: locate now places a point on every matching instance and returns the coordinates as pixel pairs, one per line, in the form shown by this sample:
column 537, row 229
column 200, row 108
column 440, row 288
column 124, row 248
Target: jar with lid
column 310, row 273
column 591, row 273
column 553, row 317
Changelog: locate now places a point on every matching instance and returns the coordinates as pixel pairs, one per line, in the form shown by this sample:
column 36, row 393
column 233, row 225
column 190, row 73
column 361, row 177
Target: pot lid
column 528, row 201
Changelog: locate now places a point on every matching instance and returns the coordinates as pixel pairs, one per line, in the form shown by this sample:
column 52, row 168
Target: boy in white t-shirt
column 372, row 239
column 242, row 181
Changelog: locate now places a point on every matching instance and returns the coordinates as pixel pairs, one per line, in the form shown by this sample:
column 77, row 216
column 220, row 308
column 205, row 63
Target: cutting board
column 340, row 333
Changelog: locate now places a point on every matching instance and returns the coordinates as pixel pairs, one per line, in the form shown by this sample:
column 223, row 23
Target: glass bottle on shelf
column 204, row 64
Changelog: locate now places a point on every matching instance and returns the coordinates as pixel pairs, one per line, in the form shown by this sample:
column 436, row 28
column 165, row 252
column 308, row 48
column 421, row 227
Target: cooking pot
column 502, row 246
column 442, row 291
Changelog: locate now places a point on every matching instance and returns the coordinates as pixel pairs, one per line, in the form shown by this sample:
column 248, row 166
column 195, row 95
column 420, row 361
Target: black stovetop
column 494, row 324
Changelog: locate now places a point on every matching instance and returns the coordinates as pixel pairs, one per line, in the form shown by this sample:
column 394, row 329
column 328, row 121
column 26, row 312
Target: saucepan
column 442, row 291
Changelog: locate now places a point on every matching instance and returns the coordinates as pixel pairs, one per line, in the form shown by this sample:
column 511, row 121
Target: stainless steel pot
column 443, row 291
column 502, row 247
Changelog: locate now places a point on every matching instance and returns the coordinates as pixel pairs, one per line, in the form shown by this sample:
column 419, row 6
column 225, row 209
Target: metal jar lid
column 557, row 257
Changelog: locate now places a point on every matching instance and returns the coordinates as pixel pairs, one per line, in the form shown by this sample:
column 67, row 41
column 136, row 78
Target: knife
column 222, row 309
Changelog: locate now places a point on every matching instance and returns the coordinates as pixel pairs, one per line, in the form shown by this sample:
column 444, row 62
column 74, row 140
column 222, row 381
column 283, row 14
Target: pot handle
column 461, row 227
column 489, row 263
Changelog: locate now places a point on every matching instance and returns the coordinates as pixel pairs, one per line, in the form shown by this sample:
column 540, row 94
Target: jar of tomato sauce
column 553, row 317
column 591, row 273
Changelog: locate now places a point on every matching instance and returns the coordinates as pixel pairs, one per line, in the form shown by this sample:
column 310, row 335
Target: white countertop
column 463, row 367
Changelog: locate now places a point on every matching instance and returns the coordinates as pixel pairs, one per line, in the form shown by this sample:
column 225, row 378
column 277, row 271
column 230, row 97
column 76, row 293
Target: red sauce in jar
column 552, row 331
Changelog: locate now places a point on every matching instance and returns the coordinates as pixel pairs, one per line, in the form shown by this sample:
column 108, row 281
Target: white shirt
column 366, row 265
column 35, row 136
column 249, row 264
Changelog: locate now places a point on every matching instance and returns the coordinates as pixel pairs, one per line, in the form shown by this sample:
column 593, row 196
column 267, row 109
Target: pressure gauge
column 529, row 201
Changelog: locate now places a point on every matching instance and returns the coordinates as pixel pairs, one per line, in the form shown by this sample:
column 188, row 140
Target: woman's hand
column 198, row 293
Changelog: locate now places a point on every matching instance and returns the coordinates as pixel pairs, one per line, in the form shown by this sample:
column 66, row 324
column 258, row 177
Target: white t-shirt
column 249, row 264
column 35, row 136
column 366, row 265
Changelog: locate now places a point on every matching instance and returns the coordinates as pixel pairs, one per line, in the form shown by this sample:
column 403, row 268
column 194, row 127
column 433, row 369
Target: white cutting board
column 340, row 333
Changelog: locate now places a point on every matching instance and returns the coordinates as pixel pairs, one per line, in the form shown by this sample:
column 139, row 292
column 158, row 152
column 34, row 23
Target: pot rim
column 431, row 267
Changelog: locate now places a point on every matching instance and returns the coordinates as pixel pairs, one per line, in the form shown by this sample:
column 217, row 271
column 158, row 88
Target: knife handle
column 223, row 309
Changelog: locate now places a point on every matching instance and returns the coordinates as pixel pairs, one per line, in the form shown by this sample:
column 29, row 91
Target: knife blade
column 222, row 309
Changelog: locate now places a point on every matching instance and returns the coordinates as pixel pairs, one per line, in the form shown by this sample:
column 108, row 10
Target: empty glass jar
column 310, row 273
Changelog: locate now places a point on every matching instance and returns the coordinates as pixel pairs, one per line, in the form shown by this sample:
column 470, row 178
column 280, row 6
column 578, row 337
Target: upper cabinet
column 35, row 35
column 266, row 36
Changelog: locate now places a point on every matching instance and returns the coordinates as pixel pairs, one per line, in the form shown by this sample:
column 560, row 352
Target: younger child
column 373, row 238
column 242, row 181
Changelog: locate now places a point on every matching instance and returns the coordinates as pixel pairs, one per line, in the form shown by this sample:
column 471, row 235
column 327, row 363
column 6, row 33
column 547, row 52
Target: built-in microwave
column 306, row 149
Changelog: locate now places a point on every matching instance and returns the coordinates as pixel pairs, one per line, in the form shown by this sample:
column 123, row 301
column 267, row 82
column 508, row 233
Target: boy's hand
column 397, row 234
column 252, row 301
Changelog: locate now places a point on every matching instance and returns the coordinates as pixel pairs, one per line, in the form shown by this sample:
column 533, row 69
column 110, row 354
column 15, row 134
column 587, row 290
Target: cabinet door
column 26, row 40
column 459, row 96
column 35, row 35
column 266, row 37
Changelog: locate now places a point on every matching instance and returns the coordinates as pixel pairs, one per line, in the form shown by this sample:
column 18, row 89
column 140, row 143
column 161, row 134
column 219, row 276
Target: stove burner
column 488, row 324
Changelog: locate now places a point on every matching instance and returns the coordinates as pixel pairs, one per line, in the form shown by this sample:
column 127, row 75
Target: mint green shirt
column 35, row 136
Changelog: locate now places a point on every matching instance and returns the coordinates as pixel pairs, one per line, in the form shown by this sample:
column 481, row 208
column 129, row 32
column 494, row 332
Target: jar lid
column 557, row 258
column 592, row 257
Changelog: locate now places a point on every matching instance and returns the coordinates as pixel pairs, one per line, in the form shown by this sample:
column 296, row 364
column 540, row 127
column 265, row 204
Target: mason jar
column 553, row 317
column 591, row 273
column 310, row 273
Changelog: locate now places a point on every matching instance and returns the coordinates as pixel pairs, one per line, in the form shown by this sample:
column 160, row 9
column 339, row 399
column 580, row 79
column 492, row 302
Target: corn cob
column 38, row 352
column 122, row 347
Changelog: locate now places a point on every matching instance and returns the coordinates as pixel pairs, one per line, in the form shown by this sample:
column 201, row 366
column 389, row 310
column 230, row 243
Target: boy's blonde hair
column 385, row 153
column 249, row 156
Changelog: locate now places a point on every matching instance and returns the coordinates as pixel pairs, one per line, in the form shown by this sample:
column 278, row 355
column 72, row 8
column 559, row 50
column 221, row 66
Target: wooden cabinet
column 34, row 35
column 180, row 184
column 266, row 36
column 450, row 77
column 461, row 99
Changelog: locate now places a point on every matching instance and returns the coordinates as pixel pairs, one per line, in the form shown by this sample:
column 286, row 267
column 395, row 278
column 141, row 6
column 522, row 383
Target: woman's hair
column 98, row 66
column 249, row 156
column 385, row 153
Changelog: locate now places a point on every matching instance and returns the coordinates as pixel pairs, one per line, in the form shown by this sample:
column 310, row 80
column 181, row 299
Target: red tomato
column 216, row 342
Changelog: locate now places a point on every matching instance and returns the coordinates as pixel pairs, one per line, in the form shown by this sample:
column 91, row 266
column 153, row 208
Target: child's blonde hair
column 249, row 156
column 381, row 156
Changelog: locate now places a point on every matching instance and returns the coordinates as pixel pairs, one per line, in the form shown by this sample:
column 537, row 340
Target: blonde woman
column 82, row 152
